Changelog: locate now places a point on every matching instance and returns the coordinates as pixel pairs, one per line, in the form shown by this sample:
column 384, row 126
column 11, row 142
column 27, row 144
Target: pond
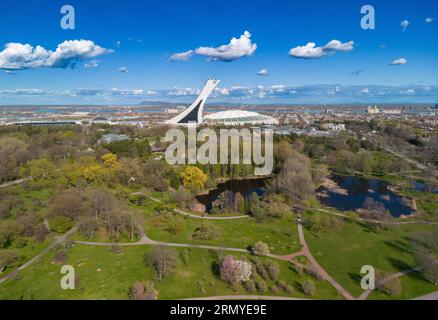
column 423, row 187
column 244, row 186
column 348, row 193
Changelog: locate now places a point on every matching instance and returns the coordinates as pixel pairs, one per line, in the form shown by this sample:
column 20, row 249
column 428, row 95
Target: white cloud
column 429, row 20
column 336, row 45
column 263, row 72
column 122, row 69
column 127, row 92
column 404, row 24
column 178, row 92
column 237, row 48
column 18, row 56
column 311, row 51
column 92, row 64
column 182, row 56
column 399, row 61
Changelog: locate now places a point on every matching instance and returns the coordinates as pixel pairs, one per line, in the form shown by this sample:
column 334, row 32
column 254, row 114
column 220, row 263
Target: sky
column 124, row 52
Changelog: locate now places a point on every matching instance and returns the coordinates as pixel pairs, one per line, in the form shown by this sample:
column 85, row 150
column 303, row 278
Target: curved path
column 194, row 215
column 373, row 221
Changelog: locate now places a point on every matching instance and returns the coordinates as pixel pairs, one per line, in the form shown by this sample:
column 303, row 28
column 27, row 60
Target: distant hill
column 160, row 103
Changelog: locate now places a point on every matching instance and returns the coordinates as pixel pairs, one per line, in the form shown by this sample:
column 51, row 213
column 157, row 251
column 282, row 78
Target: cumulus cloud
column 16, row 56
column 263, row 72
column 122, row 69
column 182, row 56
column 429, row 20
column 311, row 51
column 404, row 24
column 237, row 48
column 239, row 94
column 336, row 45
column 399, row 61
column 92, row 64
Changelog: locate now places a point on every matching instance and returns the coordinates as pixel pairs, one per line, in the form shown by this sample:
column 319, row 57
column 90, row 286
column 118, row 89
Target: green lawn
column 343, row 251
column 280, row 234
column 106, row 275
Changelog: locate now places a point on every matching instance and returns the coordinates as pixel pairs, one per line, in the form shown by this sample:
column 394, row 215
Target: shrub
column 9, row 259
column 116, row 249
column 273, row 270
column 143, row 291
column 274, row 290
column 312, row 271
column 260, row 249
column 60, row 224
column 19, row 242
column 207, row 231
column 261, row 286
column 60, row 257
column 250, row 286
column 285, row 287
column 261, row 270
column 308, row 287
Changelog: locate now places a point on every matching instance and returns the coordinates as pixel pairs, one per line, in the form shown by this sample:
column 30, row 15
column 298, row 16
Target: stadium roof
column 239, row 117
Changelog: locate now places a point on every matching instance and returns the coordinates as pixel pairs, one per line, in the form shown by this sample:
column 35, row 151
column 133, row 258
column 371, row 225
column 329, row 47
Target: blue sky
column 140, row 37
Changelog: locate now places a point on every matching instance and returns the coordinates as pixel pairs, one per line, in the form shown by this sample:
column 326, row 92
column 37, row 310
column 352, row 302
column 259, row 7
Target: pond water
column 354, row 191
column 244, row 186
column 423, row 187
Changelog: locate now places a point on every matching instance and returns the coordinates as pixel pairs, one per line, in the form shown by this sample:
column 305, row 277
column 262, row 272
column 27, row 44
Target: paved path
column 11, row 183
column 374, row 221
column 41, row 254
column 429, row 296
column 195, row 215
column 320, row 270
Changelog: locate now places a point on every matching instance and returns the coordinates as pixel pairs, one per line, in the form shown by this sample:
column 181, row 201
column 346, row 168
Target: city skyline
column 303, row 53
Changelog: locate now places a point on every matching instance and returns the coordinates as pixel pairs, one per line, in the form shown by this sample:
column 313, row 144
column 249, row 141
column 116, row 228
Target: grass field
column 102, row 274
column 344, row 250
column 280, row 234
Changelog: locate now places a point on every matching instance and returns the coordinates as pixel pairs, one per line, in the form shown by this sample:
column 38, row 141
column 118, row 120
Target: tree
column 193, row 178
column 13, row 153
column 9, row 259
column 69, row 203
column 39, row 169
column 388, row 284
column 163, row 259
column 206, row 231
column 234, row 271
column 294, row 179
column 273, row 270
column 260, row 249
column 427, row 264
column 143, row 291
column 308, row 287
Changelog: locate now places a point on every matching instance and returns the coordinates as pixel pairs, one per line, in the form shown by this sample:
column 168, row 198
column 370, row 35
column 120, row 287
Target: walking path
column 374, row 221
column 11, row 183
column 429, row 296
column 194, row 215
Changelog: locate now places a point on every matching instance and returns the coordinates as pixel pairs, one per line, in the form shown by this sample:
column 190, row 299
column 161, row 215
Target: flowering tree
column 232, row 270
